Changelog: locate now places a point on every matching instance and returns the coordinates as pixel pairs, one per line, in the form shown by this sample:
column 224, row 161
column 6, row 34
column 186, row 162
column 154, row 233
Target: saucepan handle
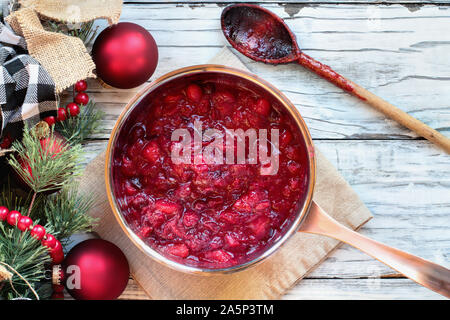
column 424, row 272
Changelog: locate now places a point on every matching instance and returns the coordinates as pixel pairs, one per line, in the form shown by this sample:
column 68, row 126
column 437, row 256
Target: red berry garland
column 72, row 109
column 24, row 223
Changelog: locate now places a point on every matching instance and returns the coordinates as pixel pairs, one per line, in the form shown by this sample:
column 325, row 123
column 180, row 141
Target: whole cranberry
column 38, row 232
column 51, row 120
column 13, row 217
column 80, row 86
column 24, row 223
column 3, row 213
column 62, row 114
column 81, row 98
column 73, row 109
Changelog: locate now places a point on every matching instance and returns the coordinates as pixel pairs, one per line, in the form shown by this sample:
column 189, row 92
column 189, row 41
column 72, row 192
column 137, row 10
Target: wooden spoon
column 263, row 36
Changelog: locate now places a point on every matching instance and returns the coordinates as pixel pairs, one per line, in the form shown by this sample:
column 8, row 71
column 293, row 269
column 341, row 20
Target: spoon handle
column 424, row 272
column 381, row 105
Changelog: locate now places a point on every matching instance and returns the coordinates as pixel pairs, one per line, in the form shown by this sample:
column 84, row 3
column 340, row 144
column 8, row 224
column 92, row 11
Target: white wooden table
column 402, row 53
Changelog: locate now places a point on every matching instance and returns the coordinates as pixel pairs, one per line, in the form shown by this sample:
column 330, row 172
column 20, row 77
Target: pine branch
column 28, row 258
column 78, row 129
column 67, row 213
column 44, row 170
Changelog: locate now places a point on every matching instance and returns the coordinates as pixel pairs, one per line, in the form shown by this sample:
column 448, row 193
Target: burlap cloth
column 76, row 11
column 267, row 280
column 64, row 57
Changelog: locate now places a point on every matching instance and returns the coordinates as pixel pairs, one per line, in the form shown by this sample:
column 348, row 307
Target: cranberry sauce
column 207, row 215
column 257, row 34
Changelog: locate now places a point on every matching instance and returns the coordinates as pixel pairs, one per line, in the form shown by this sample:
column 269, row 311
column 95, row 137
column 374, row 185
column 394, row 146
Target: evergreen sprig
column 78, row 129
column 45, row 170
column 28, row 258
column 66, row 213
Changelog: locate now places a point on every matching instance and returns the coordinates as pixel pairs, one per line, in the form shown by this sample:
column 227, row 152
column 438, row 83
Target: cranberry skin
column 3, row 213
column 38, row 232
column 24, row 223
column 49, row 242
column 50, row 120
column 80, row 86
column 73, row 109
column 62, row 114
column 81, row 98
column 13, row 217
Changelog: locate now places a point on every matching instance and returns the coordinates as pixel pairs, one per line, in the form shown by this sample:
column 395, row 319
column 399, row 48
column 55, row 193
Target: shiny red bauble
column 95, row 269
column 125, row 55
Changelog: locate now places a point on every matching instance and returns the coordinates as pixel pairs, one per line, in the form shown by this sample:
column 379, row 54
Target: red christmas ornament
column 125, row 55
column 95, row 269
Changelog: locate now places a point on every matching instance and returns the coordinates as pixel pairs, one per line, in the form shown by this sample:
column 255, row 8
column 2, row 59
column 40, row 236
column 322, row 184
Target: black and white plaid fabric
column 27, row 92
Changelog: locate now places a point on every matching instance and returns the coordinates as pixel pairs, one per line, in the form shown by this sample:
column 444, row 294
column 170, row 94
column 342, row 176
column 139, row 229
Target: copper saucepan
column 310, row 217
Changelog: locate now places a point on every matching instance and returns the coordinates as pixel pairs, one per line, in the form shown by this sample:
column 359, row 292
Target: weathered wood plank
column 398, row 54
column 360, row 289
column 398, row 188
column 338, row 289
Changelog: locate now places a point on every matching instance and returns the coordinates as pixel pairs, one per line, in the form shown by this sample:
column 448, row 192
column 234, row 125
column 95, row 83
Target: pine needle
column 67, row 213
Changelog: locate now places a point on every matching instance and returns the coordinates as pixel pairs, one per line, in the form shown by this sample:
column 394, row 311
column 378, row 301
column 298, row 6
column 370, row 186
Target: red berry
column 24, row 223
column 49, row 241
column 56, row 253
column 38, row 232
column 50, row 120
column 6, row 143
column 73, row 109
column 13, row 217
column 194, row 93
column 81, row 98
column 80, row 86
column 3, row 213
column 62, row 114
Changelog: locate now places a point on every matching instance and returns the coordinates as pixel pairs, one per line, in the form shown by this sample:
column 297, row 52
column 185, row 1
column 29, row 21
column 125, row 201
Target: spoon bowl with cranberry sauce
column 208, row 217
column 262, row 36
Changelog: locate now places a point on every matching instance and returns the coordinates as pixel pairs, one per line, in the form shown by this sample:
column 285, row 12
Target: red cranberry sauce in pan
column 207, row 215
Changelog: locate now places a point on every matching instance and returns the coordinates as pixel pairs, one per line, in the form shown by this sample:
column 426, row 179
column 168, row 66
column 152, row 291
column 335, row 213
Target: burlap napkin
column 64, row 57
column 76, row 10
column 267, row 280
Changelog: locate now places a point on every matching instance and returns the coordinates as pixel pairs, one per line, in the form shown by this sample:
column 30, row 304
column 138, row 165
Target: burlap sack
column 75, row 11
